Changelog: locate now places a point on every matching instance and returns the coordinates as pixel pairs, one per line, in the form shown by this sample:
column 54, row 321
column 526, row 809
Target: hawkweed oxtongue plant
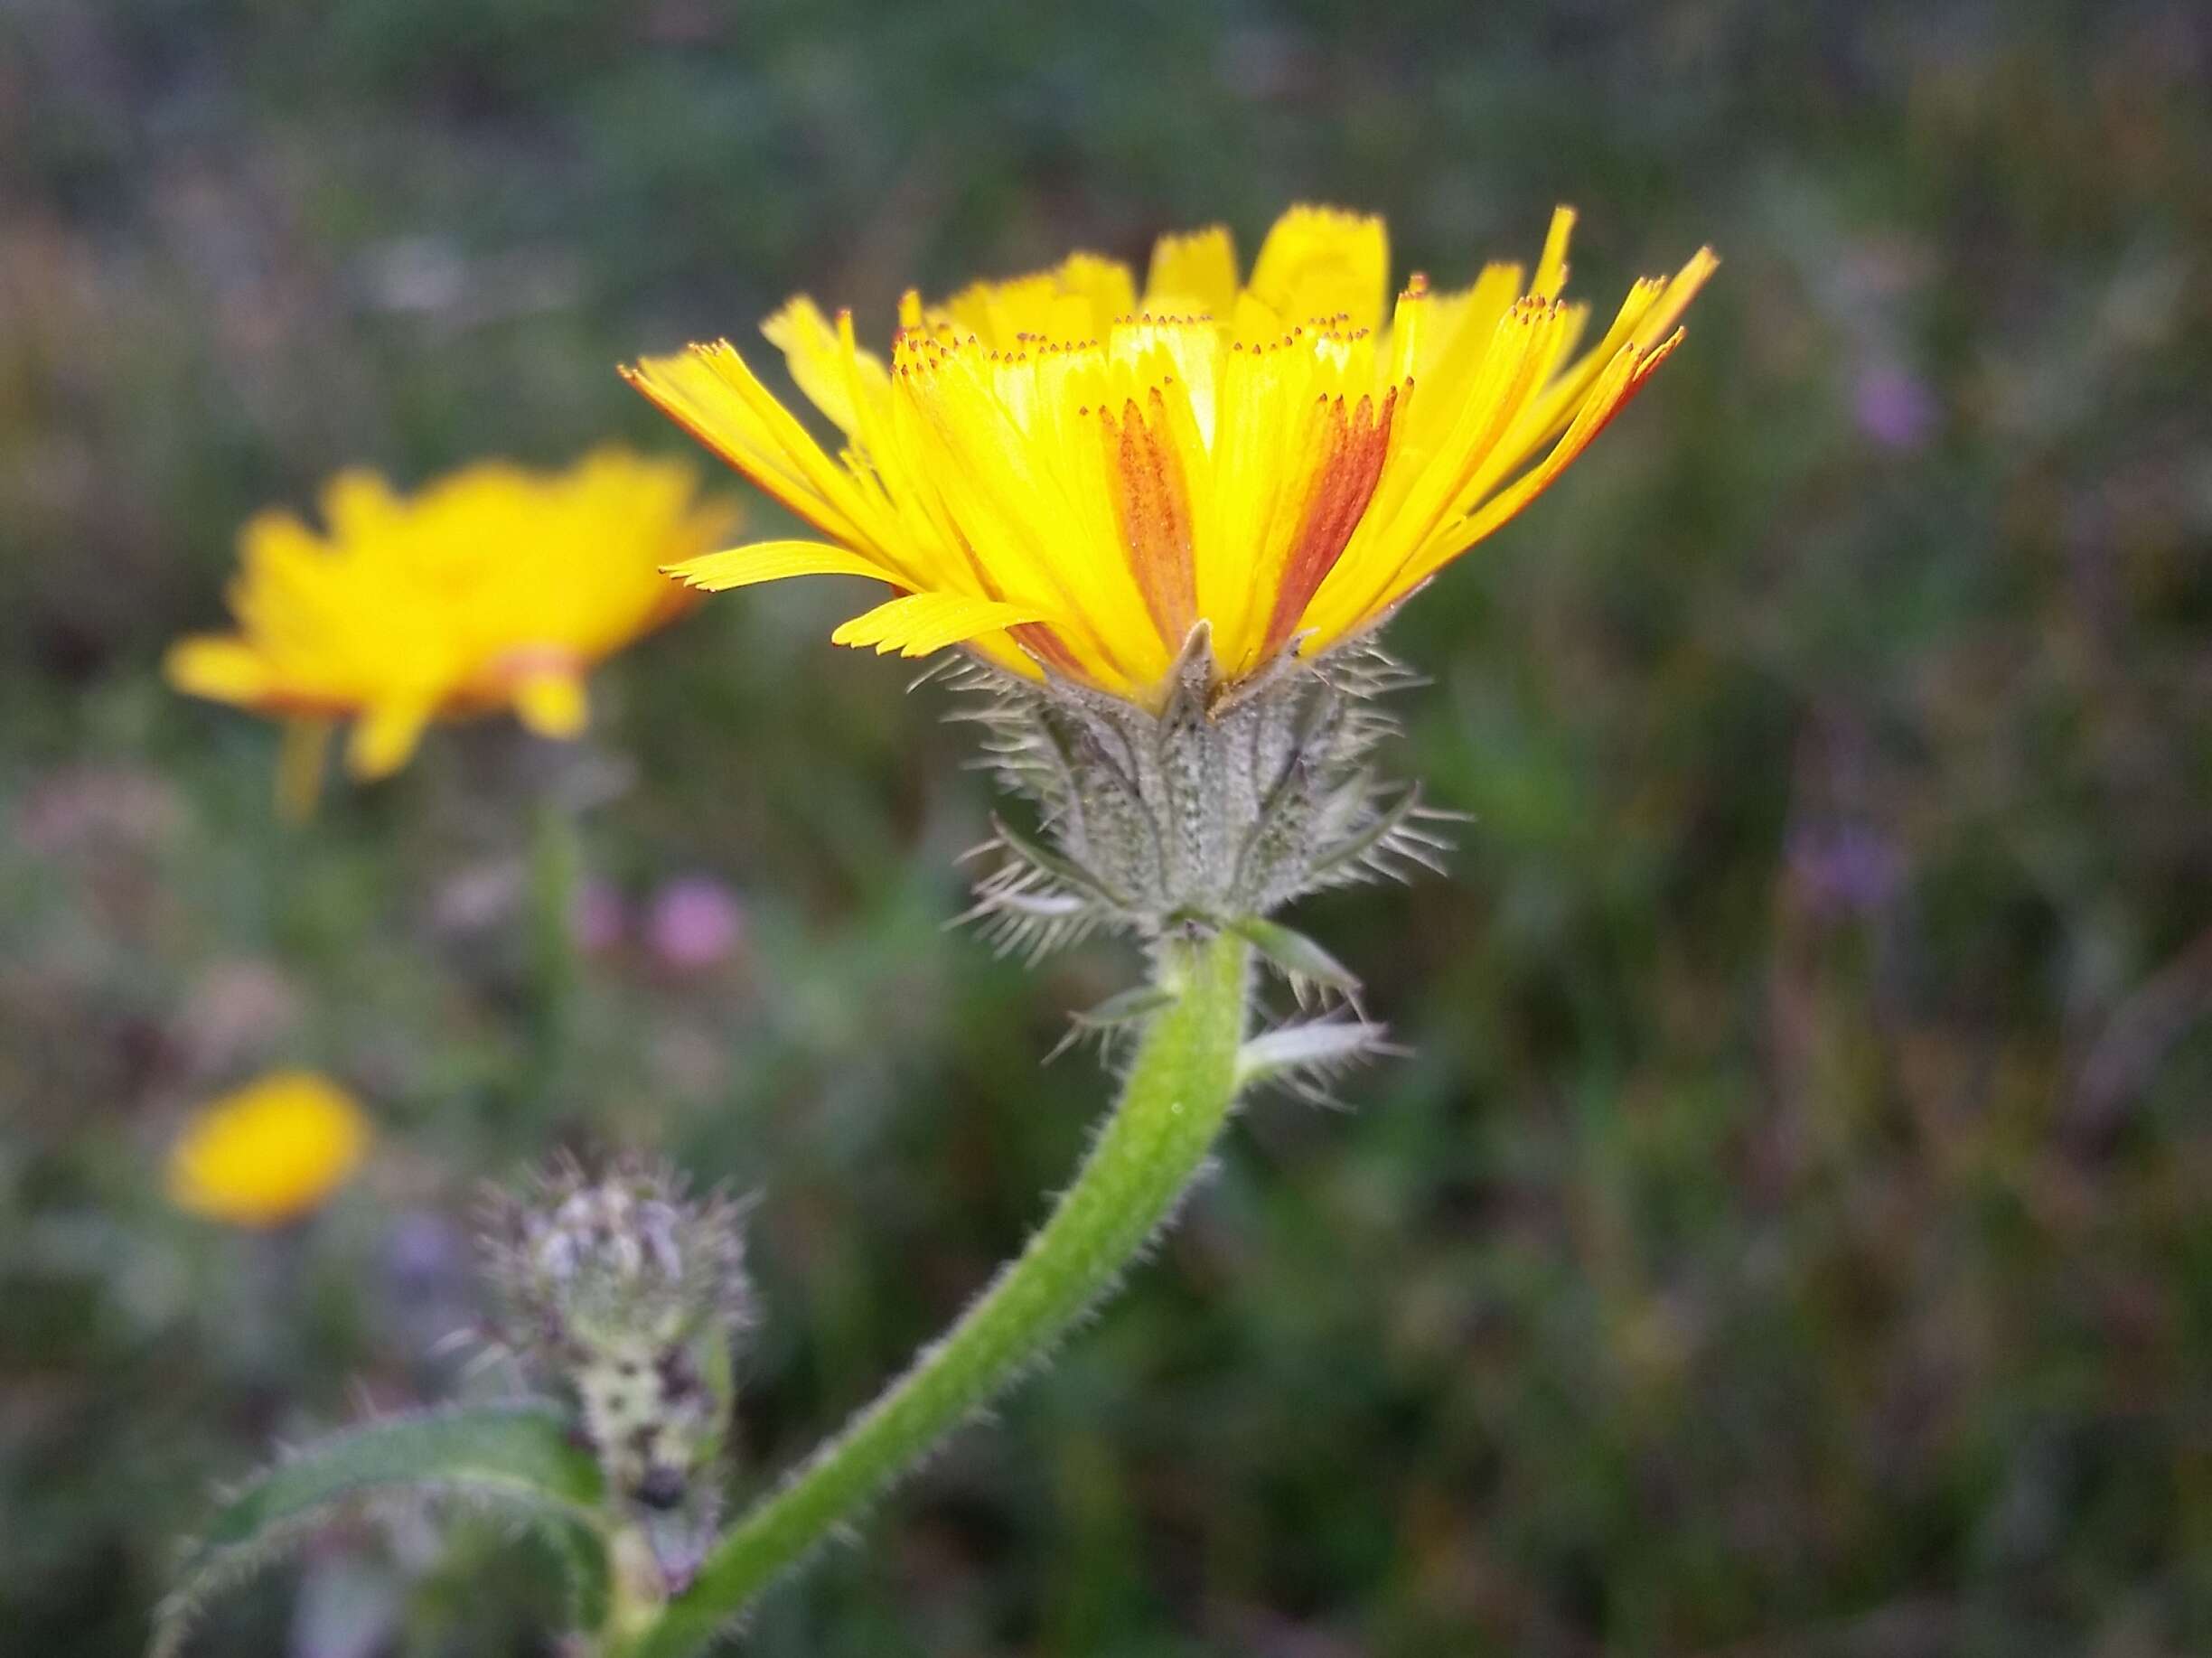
column 1162, row 530
column 1157, row 532
column 1165, row 529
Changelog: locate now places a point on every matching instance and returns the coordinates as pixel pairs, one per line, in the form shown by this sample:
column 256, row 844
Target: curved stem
column 1152, row 1147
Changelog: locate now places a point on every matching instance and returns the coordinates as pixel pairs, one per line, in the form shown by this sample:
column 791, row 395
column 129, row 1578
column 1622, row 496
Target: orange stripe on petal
column 1343, row 486
column 1151, row 501
column 1042, row 641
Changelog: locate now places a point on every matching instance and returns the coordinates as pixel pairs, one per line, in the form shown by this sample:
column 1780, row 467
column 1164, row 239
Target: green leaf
column 1126, row 1005
column 1295, row 954
column 517, row 1458
column 1122, row 1008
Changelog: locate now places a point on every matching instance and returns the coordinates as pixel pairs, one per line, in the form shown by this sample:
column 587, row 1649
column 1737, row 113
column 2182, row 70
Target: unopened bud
column 632, row 1292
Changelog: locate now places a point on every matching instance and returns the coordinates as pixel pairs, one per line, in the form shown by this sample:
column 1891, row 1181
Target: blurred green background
column 1790, row 1235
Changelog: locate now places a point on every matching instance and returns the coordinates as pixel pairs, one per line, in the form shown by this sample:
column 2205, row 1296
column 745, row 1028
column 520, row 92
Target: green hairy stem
column 1153, row 1147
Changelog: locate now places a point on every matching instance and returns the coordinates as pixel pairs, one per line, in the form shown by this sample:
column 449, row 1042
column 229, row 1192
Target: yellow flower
column 494, row 587
column 268, row 1153
column 1066, row 477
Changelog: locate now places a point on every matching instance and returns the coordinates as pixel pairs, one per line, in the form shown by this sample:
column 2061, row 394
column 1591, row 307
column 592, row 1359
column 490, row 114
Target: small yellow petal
column 268, row 1153
column 1681, row 289
column 1193, row 275
column 921, row 622
column 772, row 561
column 1552, row 267
column 384, row 739
column 1324, row 262
column 551, row 702
column 222, row 669
column 713, row 393
column 357, row 503
column 816, row 357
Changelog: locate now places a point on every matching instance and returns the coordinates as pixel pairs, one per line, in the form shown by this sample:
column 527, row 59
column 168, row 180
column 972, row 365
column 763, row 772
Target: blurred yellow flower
column 1066, row 475
column 268, row 1153
column 494, row 588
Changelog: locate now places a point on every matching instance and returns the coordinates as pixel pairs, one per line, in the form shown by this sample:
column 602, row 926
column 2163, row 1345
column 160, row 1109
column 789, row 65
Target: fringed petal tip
column 921, row 622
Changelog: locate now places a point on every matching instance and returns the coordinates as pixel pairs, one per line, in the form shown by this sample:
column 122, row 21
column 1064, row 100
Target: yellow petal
column 773, row 561
column 1103, row 285
column 921, row 622
column 816, row 361
column 712, row 393
column 1552, row 267
column 551, row 702
column 1622, row 379
column 357, row 503
column 1193, row 275
column 384, row 738
column 1681, row 289
column 1324, row 262
column 224, row 669
column 1074, row 301
column 1424, row 495
column 1026, row 503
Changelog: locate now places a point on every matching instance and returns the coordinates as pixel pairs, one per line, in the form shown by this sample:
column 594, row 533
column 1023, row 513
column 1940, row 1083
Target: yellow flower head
column 1066, row 477
column 494, row 587
column 268, row 1153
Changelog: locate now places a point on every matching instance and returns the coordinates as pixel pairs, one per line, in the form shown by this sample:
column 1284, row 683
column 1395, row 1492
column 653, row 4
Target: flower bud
column 632, row 1292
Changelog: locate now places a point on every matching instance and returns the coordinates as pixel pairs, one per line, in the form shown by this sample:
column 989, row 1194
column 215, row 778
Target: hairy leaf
column 1296, row 955
column 1313, row 1048
column 517, row 1460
